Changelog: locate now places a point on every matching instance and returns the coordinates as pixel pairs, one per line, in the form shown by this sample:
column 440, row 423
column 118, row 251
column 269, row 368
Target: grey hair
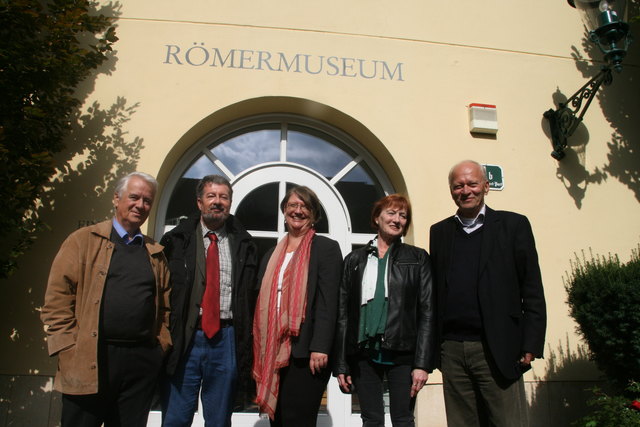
column 124, row 182
column 213, row 179
column 481, row 166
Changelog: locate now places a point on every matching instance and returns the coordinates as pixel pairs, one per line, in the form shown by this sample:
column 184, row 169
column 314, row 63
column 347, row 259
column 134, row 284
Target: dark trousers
column 473, row 395
column 127, row 381
column 368, row 378
column 300, row 395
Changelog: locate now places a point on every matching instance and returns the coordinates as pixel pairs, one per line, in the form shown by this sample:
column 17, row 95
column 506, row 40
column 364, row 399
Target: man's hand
column 527, row 359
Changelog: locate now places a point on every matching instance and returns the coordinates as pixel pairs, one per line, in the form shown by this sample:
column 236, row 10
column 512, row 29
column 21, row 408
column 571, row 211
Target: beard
column 217, row 218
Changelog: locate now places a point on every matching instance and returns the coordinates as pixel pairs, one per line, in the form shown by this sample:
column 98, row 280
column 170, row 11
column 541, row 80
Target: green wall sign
column 496, row 178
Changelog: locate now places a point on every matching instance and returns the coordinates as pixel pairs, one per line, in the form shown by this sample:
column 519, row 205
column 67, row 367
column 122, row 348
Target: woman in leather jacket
column 386, row 318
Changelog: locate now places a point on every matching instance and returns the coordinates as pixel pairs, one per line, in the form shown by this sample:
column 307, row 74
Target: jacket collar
column 103, row 229
column 370, row 248
column 232, row 226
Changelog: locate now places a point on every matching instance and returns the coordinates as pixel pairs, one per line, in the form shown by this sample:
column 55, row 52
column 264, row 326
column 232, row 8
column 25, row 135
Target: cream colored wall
column 472, row 52
column 512, row 55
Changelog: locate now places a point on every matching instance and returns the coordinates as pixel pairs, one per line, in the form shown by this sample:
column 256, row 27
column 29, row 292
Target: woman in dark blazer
column 294, row 322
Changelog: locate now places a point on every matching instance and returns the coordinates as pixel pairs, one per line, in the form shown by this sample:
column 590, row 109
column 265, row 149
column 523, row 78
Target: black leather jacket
column 411, row 313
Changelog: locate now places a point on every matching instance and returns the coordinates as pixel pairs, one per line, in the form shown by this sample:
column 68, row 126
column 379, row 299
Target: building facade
column 355, row 100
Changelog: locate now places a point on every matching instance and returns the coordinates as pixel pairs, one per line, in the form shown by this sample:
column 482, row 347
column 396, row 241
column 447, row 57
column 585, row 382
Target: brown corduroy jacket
column 71, row 310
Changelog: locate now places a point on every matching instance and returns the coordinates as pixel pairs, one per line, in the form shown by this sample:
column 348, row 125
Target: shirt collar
column 473, row 222
column 220, row 232
column 136, row 239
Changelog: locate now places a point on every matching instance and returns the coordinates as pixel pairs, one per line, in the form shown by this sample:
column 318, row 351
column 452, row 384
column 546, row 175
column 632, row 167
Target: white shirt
column 469, row 225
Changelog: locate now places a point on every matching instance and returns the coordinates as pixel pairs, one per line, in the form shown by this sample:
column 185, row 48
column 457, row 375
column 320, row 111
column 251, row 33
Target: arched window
column 262, row 156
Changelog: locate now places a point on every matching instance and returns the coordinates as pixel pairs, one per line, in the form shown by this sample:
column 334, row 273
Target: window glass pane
column 259, row 209
column 357, row 246
column 360, row 192
column 264, row 244
column 202, row 166
column 249, row 148
column 315, row 150
column 183, row 201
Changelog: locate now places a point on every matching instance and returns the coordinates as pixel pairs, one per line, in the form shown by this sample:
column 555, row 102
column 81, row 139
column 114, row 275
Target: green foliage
column 612, row 411
column 46, row 49
column 634, row 11
column 604, row 299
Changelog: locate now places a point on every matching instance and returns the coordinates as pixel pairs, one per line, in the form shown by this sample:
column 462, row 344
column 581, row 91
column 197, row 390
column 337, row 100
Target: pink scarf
column 272, row 330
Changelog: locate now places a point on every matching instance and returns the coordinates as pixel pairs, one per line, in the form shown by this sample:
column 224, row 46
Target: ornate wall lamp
column 605, row 21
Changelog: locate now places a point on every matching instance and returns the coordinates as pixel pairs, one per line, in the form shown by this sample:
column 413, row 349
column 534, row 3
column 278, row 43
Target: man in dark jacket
column 491, row 306
column 213, row 265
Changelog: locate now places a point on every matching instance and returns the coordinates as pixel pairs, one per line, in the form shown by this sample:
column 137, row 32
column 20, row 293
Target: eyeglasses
column 294, row 206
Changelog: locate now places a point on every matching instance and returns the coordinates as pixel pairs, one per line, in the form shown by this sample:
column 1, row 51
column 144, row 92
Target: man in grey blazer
column 491, row 306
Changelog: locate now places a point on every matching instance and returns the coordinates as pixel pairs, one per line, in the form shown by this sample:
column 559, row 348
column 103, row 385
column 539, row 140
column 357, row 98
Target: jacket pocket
column 67, row 359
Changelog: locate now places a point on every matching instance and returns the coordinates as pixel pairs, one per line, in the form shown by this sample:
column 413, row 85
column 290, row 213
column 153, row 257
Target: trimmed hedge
column 604, row 298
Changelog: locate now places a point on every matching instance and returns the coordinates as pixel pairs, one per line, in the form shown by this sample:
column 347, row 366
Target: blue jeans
column 209, row 364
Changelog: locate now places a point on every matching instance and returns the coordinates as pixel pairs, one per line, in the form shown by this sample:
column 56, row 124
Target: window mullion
column 282, row 190
column 283, row 142
column 216, row 161
column 345, row 170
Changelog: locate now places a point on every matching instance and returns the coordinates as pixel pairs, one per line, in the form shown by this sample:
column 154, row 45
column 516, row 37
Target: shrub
column 604, row 299
column 612, row 411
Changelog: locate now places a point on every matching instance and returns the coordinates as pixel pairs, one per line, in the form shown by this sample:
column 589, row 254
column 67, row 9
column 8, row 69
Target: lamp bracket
column 564, row 120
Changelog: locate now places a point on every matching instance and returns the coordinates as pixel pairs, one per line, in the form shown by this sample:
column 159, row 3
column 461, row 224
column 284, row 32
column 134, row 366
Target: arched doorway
column 261, row 156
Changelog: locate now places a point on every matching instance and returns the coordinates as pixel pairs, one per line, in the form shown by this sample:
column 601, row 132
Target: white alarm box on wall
column 483, row 118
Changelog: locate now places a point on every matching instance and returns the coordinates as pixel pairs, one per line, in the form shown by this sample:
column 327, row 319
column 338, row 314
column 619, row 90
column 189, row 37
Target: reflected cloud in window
column 202, row 167
column 316, row 153
column 249, row 149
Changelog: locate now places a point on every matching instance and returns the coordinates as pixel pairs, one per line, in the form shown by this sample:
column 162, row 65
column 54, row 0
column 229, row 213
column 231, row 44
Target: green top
column 373, row 318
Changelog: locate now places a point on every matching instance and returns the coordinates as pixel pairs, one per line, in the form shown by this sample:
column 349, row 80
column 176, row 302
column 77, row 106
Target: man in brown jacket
column 106, row 314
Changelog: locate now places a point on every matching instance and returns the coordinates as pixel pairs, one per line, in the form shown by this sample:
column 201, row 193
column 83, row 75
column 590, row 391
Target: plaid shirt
column 224, row 251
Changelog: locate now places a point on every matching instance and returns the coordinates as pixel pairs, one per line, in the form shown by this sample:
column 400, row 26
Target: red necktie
column 211, row 298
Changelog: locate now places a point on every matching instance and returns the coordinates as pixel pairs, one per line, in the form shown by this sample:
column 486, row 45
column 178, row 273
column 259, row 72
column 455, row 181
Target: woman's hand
column 344, row 381
column 419, row 378
column 317, row 361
